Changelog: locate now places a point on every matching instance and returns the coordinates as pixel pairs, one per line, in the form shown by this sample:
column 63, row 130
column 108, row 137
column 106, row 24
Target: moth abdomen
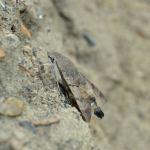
column 98, row 112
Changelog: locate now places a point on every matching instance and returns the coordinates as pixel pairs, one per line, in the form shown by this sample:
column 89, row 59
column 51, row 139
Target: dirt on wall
column 107, row 40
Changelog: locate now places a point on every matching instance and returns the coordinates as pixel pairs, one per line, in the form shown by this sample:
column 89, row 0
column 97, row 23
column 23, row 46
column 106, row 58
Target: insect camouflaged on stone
column 75, row 85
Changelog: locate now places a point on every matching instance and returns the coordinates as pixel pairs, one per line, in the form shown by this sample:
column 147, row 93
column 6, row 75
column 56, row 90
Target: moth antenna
column 98, row 112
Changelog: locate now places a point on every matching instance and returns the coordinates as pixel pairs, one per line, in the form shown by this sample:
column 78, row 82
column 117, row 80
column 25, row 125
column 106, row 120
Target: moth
column 80, row 91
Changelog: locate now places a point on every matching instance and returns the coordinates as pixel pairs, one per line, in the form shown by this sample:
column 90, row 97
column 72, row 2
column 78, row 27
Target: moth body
column 75, row 83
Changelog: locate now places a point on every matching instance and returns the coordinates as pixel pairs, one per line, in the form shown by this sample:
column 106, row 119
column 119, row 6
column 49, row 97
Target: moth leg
column 66, row 94
column 57, row 81
column 58, row 92
column 67, row 97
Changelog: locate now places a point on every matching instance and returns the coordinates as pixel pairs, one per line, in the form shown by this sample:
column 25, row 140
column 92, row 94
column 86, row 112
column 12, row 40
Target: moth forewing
column 96, row 91
column 80, row 96
column 83, row 102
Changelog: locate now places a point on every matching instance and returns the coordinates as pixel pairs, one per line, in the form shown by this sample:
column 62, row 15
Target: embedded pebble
column 34, row 51
column 28, row 87
column 51, row 102
column 11, row 107
column 2, row 53
column 40, row 62
column 89, row 39
column 67, row 105
column 28, row 125
column 42, row 15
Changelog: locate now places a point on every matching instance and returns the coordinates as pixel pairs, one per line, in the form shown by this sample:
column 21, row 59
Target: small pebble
column 42, row 67
column 48, row 30
column 67, row 105
column 40, row 48
column 11, row 107
column 51, row 86
column 49, row 98
column 28, row 125
column 140, row 115
column 34, row 98
column 25, row 31
column 35, row 91
column 40, row 62
column 2, row 53
column 28, row 87
column 89, row 39
column 34, row 51
column 42, row 15
column 47, row 113
column 51, row 102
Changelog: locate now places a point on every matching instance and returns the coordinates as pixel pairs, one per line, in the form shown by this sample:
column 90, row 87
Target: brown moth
column 77, row 88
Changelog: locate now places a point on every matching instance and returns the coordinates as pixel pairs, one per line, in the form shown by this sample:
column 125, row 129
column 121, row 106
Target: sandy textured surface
column 109, row 41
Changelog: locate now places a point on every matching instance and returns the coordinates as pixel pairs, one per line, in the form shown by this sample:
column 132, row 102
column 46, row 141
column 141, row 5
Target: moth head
column 51, row 57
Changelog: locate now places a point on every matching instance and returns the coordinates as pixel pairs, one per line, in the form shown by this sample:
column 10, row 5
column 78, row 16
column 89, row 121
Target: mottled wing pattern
column 96, row 91
column 83, row 101
column 78, row 90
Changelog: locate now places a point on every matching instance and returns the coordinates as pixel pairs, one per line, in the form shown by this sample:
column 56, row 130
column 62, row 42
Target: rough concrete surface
column 109, row 41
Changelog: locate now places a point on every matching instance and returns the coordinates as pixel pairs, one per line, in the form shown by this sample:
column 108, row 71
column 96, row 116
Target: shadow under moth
column 77, row 89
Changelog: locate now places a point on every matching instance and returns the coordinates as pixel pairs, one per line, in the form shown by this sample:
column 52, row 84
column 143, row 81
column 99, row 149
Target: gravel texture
column 114, row 55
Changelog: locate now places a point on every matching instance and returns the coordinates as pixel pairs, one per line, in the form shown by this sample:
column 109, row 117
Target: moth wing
column 80, row 95
column 83, row 101
column 96, row 91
